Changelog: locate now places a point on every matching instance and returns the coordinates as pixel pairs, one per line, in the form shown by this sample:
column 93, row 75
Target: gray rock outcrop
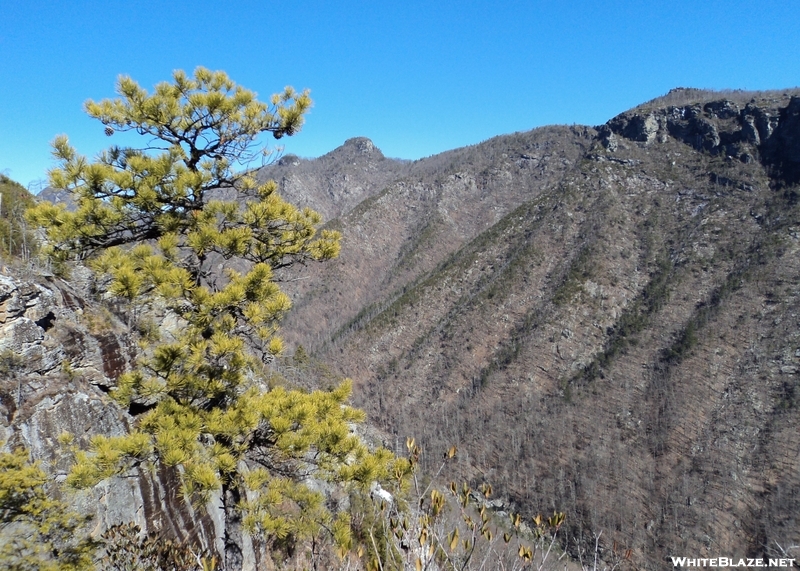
column 762, row 129
column 60, row 352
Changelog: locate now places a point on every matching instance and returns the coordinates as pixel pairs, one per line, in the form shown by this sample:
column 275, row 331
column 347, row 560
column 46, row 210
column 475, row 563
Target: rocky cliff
column 60, row 352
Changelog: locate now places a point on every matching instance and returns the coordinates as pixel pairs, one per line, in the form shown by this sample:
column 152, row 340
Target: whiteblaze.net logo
column 723, row 562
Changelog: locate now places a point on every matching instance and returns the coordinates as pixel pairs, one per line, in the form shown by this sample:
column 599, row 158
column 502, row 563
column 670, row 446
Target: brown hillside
column 605, row 321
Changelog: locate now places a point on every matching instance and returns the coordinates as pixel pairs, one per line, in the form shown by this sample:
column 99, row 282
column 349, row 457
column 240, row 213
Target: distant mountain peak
column 289, row 160
column 355, row 150
column 336, row 182
column 362, row 145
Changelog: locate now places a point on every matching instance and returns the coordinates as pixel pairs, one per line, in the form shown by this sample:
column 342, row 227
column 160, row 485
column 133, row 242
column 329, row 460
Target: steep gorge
column 605, row 321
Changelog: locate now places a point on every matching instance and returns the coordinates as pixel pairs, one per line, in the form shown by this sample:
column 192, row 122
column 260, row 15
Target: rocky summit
column 604, row 320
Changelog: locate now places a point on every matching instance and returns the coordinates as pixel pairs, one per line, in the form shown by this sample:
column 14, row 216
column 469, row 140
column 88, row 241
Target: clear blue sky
column 417, row 77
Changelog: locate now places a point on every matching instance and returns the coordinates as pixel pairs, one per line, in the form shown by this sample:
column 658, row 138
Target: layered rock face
column 723, row 127
column 60, row 352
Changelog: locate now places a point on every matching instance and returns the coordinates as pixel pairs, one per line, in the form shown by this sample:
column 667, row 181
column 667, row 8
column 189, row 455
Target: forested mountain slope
column 604, row 320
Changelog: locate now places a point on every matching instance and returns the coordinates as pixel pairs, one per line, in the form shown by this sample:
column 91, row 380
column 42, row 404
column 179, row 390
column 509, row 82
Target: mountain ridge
column 657, row 249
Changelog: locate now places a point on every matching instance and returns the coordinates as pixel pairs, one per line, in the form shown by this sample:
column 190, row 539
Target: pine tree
column 37, row 532
column 156, row 221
